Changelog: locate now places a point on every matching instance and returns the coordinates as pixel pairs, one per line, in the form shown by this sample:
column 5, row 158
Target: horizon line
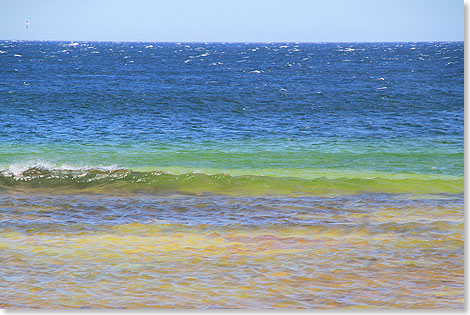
column 231, row 42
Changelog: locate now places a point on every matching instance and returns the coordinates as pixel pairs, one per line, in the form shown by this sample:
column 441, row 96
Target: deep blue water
column 118, row 92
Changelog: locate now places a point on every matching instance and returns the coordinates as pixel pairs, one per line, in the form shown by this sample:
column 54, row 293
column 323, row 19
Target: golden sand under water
column 391, row 258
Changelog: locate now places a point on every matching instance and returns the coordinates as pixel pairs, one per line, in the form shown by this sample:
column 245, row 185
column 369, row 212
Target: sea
column 231, row 175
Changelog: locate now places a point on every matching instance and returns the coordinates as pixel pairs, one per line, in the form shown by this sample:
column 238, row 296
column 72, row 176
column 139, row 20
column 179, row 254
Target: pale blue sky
column 230, row 20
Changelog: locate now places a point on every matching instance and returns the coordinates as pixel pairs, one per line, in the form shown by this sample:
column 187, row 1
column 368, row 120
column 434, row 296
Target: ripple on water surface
column 145, row 251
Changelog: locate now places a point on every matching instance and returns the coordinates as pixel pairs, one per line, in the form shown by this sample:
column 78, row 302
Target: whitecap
column 256, row 71
column 17, row 169
column 18, row 55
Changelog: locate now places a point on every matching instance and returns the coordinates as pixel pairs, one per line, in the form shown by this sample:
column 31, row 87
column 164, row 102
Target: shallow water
column 376, row 250
column 141, row 175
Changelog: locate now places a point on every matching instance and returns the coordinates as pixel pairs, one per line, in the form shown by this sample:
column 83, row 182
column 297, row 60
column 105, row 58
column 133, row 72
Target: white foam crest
column 17, row 169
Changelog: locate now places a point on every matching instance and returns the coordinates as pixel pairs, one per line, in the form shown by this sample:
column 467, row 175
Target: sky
column 233, row 20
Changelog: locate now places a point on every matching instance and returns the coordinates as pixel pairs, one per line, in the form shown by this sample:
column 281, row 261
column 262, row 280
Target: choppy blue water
column 229, row 91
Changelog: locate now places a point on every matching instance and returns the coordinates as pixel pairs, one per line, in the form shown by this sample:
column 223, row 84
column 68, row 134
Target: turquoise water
column 317, row 166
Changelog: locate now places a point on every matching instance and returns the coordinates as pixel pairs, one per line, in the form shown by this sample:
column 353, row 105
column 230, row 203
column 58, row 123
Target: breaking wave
column 112, row 179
